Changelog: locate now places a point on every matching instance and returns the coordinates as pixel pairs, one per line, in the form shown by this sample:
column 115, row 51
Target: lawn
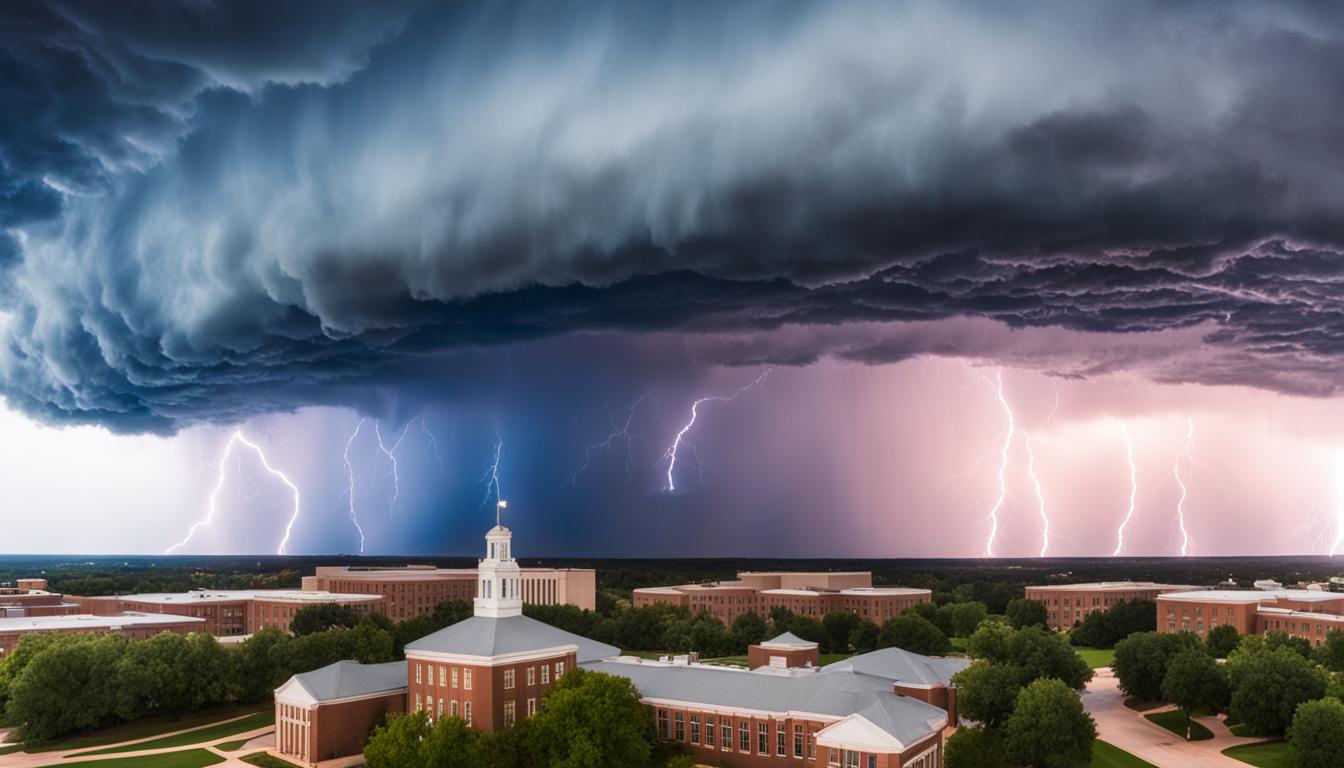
column 267, row 761
column 235, row 745
column 1266, row 754
column 187, row 758
column 141, row 729
column 1138, row 705
column 199, row 736
column 1106, row 755
column 1242, row 729
column 12, row 748
column 1097, row 657
column 1174, row 721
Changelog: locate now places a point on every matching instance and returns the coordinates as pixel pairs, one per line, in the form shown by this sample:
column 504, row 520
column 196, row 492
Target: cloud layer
column 215, row 211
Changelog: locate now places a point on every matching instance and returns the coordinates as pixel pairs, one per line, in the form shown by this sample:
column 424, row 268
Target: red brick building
column 31, row 598
column 135, row 625
column 416, row 589
column 786, row 651
column 1068, row 604
column 1302, row 613
column 806, row 594
column 329, row 712
column 232, row 613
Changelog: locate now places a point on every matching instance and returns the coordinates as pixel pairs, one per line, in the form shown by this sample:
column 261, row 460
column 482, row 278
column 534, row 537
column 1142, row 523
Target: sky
column 956, row 279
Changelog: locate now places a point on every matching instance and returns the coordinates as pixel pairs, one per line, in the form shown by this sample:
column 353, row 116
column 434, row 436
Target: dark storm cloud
column 232, row 208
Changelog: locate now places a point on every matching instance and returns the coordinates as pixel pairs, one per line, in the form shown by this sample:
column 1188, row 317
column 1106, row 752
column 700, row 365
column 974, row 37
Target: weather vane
column 500, row 505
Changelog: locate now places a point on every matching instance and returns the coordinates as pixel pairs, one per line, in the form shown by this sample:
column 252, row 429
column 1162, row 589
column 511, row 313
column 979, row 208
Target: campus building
column 1305, row 613
column 806, row 594
column 887, row 709
column 415, row 589
column 1068, row 604
column 231, row 613
column 31, row 598
column 135, row 625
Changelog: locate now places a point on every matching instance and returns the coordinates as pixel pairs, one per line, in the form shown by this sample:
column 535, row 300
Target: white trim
column 493, row 661
column 314, row 702
column 861, row 734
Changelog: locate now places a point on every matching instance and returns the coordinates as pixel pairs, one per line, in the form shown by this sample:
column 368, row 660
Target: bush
column 1316, row 736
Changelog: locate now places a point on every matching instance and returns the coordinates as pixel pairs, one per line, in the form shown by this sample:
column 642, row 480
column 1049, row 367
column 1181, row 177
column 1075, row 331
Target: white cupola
column 498, row 579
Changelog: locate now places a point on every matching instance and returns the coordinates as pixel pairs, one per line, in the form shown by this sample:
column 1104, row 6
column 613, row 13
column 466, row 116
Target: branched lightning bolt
column 491, row 476
column 350, row 489
column 1176, row 473
column 1133, row 491
column 671, row 454
column 391, row 454
column 1008, row 433
column 431, row 445
column 622, row 434
column 236, row 439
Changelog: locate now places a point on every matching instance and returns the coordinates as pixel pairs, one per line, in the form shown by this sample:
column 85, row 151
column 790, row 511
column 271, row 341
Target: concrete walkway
column 1130, row 731
column 256, row 735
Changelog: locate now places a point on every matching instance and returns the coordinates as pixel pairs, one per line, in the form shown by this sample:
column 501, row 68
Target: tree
column 990, row 641
column 839, row 626
column 974, row 748
column 1022, row 612
column 321, row 617
column 396, row 743
column 1331, row 653
column 913, row 633
column 256, row 669
column 590, row 719
column 931, row 613
column 1194, row 681
column 700, row 632
column 748, row 629
column 987, row 691
column 1316, row 736
column 67, row 687
column 961, row 619
column 1103, row 629
column 1222, row 640
column 1038, row 652
column 864, row 637
column 449, row 744
column 1267, row 687
column 1048, row 727
column 1141, row 661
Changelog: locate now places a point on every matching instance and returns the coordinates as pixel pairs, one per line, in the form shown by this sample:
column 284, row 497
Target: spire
column 498, row 578
column 500, row 505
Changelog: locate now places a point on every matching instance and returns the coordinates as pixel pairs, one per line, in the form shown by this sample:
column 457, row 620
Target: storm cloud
column 212, row 211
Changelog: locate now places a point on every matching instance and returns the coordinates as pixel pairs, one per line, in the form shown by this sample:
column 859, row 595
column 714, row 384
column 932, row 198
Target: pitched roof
column 488, row 637
column 788, row 639
column 903, row 666
column 344, row 680
column 840, row 694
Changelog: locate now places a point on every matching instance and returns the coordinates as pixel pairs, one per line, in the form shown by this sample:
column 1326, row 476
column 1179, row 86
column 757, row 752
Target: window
column 510, row 713
column 418, row 704
column 833, row 757
column 559, row 669
column 466, row 711
column 727, row 734
column 709, row 731
column 531, row 707
column 531, row 675
column 545, row 674
column 663, row 729
column 679, row 720
column 418, row 670
column 763, row 738
column 466, row 679
column 797, row 741
column 454, row 677
column 440, row 713
column 695, row 729
column 781, row 741
column 872, row 761
column 508, row 679
column 452, row 707
column 443, row 676
column 743, row 736
column 851, row 759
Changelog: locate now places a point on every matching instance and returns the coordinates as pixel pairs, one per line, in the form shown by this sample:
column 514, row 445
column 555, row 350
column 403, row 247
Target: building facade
column 1068, row 604
column 806, row 594
column 415, row 590
column 134, row 625
column 231, row 613
column 1304, row 613
column 31, row 598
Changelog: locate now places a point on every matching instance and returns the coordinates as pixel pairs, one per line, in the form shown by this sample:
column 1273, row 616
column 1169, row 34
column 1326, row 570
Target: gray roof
column 350, row 678
column 839, row 693
column 788, row 638
column 484, row 636
column 902, row 666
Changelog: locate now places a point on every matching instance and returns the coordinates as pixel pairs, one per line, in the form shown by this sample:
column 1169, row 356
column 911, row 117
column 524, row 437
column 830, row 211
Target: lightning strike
column 492, row 474
column 1008, row 433
column 671, row 454
column 391, row 454
column 1185, row 452
column 236, row 439
column 622, row 434
column 431, row 444
column 1040, row 494
column 350, row 489
column 1133, row 491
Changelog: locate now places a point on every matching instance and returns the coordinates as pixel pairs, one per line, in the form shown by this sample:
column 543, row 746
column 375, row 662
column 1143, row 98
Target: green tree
column 930, row 613
column 67, row 687
column 371, row 645
column 590, row 719
column 700, row 632
column 1048, row 727
column 1022, row 612
column 1194, row 681
column 1141, row 661
column 864, row 637
column 449, row 744
column 1267, row 687
column 1331, row 653
column 1316, row 736
column 151, row 678
column 913, row 633
column 987, row 692
column 396, row 743
column 961, row 619
column 839, row 626
column 990, row 641
column 256, row 669
column 321, row 617
column 974, row 748
column 1222, row 640
column 748, row 629
column 1038, row 652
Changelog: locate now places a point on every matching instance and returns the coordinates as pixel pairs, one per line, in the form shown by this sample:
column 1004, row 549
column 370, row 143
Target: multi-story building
column 416, row 589
column 492, row 670
column 1068, row 604
column 135, row 625
column 231, row 613
column 31, row 598
column 1302, row 613
column 806, row 594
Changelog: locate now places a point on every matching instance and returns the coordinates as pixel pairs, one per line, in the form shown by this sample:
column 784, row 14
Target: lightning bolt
column 1008, row 433
column 431, row 445
column 235, row 440
column 350, row 489
column 1040, row 494
column 1176, row 472
column 492, row 473
column 1133, row 491
column 622, row 434
column 671, row 454
column 391, row 454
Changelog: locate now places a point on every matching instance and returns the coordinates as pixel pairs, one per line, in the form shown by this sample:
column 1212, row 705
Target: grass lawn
column 12, row 748
column 199, row 736
column 143, row 729
column 1266, row 754
column 958, row 644
column 1174, row 721
column 1106, row 755
column 1097, row 657
column 187, row 758
column 236, row 744
column 267, row 761
column 1139, row 705
column 1242, row 729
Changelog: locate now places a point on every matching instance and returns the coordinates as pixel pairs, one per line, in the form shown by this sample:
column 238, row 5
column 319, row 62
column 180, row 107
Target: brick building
column 31, row 598
column 806, row 594
column 231, row 613
column 135, row 625
column 785, row 651
column 1068, row 604
column 1302, row 613
column 416, row 589
column 887, row 709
